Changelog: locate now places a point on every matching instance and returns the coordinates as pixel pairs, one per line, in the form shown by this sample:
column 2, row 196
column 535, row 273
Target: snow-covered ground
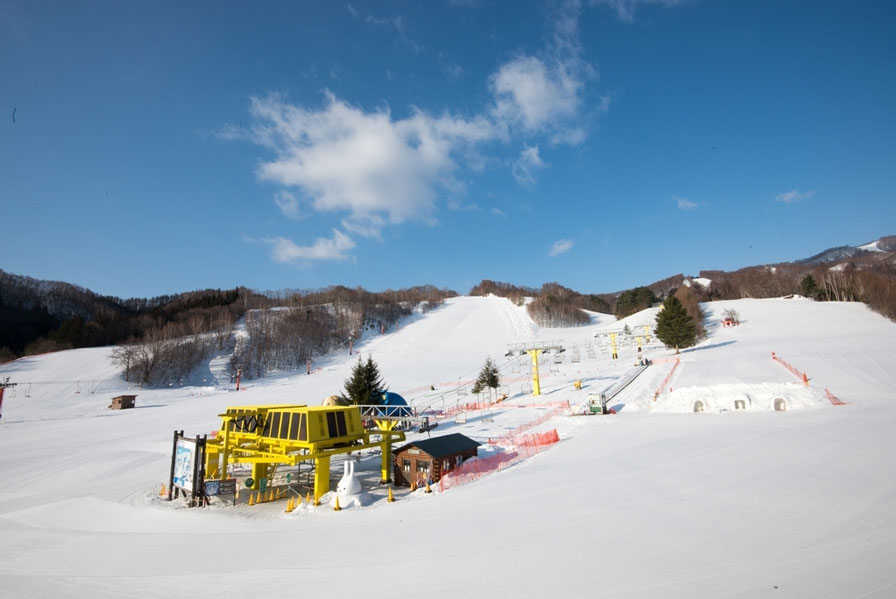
column 654, row 501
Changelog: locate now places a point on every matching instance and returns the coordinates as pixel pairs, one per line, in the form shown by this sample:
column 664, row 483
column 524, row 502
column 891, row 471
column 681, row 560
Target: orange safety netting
column 509, row 437
column 666, row 380
column 472, row 470
column 833, row 398
column 796, row 373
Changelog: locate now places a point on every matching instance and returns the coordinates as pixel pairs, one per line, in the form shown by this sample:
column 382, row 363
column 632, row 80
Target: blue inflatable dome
column 397, row 406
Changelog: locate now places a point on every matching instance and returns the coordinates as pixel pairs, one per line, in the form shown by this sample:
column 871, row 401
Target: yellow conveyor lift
column 266, row 436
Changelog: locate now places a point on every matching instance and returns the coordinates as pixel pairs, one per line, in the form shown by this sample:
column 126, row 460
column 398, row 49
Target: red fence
column 833, row 398
column 510, row 437
column 796, row 373
column 666, row 380
column 474, row 469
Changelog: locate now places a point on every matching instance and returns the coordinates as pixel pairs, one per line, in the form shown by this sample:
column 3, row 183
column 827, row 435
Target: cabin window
column 266, row 429
column 294, row 426
column 340, row 424
column 406, row 465
column 331, row 425
column 446, row 465
column 284, row 425
column 274, row 428
column 303, row 429
column 423, row 466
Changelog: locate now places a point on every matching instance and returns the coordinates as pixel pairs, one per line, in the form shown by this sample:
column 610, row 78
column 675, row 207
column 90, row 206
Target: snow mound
column 762, row 397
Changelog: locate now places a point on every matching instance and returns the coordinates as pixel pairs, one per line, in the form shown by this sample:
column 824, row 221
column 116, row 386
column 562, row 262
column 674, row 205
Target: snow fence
column 525, row 446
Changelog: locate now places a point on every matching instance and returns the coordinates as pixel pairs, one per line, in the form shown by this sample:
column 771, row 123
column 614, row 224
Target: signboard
column 220, row 487
column 184, row 458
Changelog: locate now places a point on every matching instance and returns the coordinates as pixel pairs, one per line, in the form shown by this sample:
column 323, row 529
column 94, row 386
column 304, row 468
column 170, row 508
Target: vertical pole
column 647, row 332
column 238, row 373
column 350, row 344
column 1, row 401
column 309, row 366
column 177, row 434
column 226, row 452
column 321, row 476
column 536, row 385
column 196, row 477
column 613, row 343
column 386, row 463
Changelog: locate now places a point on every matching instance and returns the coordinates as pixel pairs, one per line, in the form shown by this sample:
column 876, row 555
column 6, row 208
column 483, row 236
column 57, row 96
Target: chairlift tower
column 534, row 349
column 4, row 384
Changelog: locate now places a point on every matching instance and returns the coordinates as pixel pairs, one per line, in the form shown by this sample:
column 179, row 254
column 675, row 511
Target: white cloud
column 625, row 9
column 538, row 94
column 533, row 94
column 288, row 205
column 375, row 169
column 524, row 167
column 794, row 195
column 335, row 248
column 499, row 213
column 685, row 204
column 561, row 247
column 453, row 71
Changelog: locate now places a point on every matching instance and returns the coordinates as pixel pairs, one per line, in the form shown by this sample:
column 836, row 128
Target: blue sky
column 156, row 147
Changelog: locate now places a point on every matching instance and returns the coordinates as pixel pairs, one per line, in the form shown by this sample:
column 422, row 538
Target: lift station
column 266, row 436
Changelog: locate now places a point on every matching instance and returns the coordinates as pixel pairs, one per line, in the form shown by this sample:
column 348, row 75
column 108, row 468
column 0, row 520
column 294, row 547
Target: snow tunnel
column 742, row 401
column 699, row 406
column 780, row 404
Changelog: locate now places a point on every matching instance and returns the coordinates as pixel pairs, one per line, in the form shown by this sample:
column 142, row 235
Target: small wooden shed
column 429, row 459
column 123, row 402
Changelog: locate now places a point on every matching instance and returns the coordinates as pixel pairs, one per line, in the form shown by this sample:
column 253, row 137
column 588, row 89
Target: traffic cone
column 428, row 490
column 251, row 499
column 289, row 506
column 308, row 497
column 413, row 485
column 336, row 507
column 391, row 498
column 298, row 500
column 271, row 495
column 805, row 379
column 162, row 492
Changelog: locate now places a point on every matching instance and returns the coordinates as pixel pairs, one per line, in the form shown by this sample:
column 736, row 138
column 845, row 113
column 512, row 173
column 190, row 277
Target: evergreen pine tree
column 489, row 377
column 808, row 287
column 674, row 326
column 365, row 385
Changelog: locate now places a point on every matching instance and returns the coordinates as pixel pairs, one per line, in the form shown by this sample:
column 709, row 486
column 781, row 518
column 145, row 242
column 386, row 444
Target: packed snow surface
column 739, row 498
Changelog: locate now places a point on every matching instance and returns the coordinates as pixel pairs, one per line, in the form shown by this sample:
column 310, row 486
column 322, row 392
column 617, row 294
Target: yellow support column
column 225, row 455
column 536, row 385
column 385, row 462
column 259, row 471
column 321, row 476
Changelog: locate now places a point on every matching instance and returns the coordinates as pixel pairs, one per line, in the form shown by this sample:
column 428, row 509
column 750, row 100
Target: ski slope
column 655, row 501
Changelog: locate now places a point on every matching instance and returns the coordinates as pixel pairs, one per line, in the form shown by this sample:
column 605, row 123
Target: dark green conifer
column 674, row 326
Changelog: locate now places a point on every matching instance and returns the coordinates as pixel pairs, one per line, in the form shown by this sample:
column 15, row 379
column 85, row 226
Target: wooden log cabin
column 429, row 459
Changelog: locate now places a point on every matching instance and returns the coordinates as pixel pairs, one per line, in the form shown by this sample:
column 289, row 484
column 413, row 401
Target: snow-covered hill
column 655, row 501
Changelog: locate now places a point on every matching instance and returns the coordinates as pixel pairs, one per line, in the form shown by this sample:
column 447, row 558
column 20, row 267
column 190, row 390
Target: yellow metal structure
column 534, row 349
column 536, row 384
column 266, row 436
